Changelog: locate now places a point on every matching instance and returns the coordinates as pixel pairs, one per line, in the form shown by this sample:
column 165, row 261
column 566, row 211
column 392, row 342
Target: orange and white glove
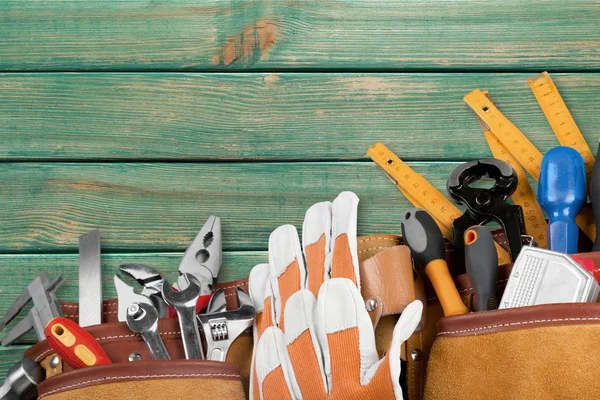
column 313, row 336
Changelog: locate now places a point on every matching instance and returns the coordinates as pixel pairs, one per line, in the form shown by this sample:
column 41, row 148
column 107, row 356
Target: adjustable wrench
column 184, row 302
column 143, row 319
column 222, row 327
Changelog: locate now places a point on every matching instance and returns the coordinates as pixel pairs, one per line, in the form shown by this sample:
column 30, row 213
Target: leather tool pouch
column 387, row 285
column 133, row 373
column 538, row 352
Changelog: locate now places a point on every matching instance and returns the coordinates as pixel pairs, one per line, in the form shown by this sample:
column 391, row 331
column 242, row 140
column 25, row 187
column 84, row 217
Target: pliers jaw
column 204, row 256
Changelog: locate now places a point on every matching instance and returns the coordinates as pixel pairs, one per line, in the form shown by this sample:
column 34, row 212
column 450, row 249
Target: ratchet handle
column 74, row 344
column 481, row 261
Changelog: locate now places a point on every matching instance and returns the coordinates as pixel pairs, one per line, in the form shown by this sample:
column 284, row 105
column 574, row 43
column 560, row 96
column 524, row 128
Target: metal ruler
column 421, row 193
column 90, row 279
column 522, row 151
column 560, row 119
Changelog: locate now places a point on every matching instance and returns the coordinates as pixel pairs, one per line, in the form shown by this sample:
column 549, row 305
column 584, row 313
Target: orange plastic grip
column 437, row 271
column 74, row 344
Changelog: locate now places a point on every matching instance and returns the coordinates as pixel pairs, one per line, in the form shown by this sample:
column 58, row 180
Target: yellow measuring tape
column 535, row 223
column 560, row 119
column 511, row 140
column 421, row 193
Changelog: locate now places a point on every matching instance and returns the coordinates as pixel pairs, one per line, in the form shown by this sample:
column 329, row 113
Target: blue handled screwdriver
column 562, row 194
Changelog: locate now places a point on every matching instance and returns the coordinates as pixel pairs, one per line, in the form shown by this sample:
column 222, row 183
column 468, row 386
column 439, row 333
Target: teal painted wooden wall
column 142, row 117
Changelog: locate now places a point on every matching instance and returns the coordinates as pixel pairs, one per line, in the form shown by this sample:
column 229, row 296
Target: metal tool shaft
column 90, row 280
column 143, row 319
column 184, row 301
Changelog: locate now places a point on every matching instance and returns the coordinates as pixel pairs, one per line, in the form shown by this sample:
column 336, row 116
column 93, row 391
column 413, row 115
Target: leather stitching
column 120, row 378
column 535, row 321
column 382, row 238
column 372, row 248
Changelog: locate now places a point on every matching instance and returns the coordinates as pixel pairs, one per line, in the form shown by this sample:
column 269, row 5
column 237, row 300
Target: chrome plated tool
column 152, row 281
column 203, row 257
column 143, row 319
column 184, row 302
column 45, row 307
column 22, row 381
column 126, row 295
column 24, row 298
column 221, row 327
column 90, row 280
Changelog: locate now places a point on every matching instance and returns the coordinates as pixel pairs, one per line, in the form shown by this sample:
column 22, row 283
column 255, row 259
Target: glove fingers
column 287, row 271
column 405, row 327
column 345, row 333
column 302, row 345
column 344, row 258
column 316, row 238
column 274, row 380
column 259, row 288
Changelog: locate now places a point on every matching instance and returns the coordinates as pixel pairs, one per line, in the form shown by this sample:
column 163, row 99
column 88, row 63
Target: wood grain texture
column 20, row 269
column 298, row 34
column 269, row 116
column 9, row 356
column 160, row 207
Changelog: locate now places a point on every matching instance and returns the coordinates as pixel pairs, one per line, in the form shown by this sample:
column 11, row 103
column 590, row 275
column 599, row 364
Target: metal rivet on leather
column 371, row 305
column 135, row 357
column 54, row 361
column 415, row 355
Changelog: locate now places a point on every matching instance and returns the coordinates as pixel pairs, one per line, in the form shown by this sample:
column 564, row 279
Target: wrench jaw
column 143, row 319
column 126, row 296
column 221, row 327
column 152, row 281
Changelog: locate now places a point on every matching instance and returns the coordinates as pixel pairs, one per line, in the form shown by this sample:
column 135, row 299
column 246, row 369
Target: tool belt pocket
column 537, row 352
column 134, row 374
column 164, row 379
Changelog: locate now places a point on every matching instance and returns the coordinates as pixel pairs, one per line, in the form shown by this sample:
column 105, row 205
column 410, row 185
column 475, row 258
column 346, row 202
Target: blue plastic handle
column 562, row 194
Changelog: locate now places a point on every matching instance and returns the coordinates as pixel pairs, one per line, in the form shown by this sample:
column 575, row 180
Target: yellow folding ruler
column 512, row 142
column 560, row 119
column 421, row 193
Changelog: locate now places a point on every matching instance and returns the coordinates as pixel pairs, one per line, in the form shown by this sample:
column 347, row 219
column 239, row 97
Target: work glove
column 313, row 338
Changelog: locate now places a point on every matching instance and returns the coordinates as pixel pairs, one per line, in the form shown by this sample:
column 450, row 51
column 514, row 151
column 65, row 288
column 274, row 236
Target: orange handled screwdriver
column 424, row 238
column 74, row 344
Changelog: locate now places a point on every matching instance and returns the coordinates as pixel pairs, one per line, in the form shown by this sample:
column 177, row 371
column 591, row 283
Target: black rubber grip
column 595, row 196
column 481, row 261
column 422, row 235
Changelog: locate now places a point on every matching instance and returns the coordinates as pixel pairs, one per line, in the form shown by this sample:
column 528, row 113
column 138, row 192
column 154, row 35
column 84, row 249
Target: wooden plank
column 19, row 269
column 9, row 356
column 160, row 207
column 269, row 116
column 298, row 34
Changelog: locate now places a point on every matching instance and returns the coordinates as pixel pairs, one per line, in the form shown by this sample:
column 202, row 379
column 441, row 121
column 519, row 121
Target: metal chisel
column 90, row 280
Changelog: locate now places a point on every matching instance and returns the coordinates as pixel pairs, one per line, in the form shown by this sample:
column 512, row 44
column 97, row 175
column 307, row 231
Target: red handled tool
column 74, row 344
